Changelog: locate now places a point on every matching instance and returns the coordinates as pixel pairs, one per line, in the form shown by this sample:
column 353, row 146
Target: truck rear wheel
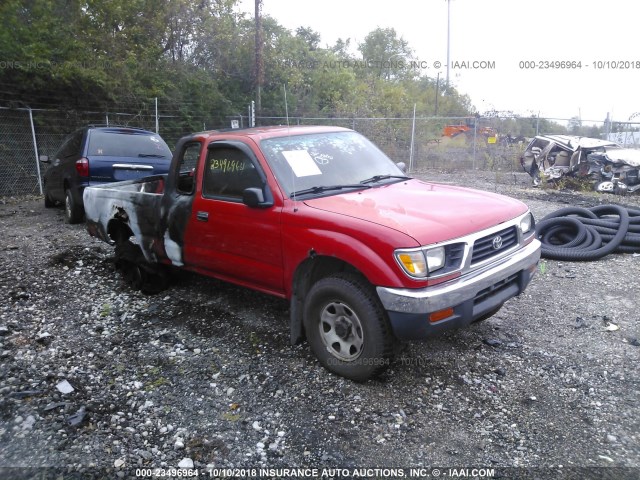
column 137, row 272
column 347, row 328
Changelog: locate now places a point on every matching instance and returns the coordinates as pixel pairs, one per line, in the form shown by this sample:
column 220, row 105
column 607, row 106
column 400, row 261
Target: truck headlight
column 526, row 223
column 435, row 258
column 419, row 263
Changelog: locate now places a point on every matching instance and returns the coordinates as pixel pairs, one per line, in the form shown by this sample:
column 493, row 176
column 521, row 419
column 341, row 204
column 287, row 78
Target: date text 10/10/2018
column 579, row 65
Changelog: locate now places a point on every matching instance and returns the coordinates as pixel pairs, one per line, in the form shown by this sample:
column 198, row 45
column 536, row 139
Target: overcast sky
column 505, row 32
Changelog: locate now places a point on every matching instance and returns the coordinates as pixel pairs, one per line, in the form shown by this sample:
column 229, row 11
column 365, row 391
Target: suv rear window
column 127, row 144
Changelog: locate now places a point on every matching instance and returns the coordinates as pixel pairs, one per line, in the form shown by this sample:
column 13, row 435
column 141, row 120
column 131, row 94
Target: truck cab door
column 235, row 233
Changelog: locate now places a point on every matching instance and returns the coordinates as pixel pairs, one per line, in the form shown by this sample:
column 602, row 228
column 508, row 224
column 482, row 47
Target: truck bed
column 136, row 202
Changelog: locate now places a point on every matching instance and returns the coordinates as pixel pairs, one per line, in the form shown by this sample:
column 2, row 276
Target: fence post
column 475, row 140
column 413, row 133
column 157, row 129
column 35, row 149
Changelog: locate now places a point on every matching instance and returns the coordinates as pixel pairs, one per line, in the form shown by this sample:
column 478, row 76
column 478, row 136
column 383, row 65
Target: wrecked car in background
column 606, row 164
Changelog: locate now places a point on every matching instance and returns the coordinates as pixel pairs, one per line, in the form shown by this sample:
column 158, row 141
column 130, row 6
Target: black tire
column 347, row 328
column 48, row 203
column 73, row 213
column 137, row 272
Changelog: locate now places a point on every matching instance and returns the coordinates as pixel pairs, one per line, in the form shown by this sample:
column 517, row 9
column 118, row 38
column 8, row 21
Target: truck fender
column 323, row 263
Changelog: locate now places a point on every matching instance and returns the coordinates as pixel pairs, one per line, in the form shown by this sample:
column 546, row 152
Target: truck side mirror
column 254, row 198
column 44, row 158
column 402, row 166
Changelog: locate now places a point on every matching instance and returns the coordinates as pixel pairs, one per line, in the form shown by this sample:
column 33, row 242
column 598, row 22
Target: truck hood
column 428, row 212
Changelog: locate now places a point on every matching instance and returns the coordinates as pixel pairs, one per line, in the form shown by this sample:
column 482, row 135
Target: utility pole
column 437, row 92
column 259, row 73
column 448, row 39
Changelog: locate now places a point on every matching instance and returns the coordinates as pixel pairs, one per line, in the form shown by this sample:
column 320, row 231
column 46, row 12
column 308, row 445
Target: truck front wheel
column 347, row 328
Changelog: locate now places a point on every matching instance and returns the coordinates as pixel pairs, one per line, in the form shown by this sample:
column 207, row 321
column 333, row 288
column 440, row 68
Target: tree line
column 198, row 58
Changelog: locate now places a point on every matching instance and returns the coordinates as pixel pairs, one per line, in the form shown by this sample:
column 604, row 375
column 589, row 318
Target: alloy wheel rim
column 341, row 331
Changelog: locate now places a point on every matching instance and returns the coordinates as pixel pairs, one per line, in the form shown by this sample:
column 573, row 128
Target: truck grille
column 454, row 255
column 494, row 244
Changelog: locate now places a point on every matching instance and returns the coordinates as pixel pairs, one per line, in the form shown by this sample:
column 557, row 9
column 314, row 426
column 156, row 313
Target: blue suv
column 96, row 155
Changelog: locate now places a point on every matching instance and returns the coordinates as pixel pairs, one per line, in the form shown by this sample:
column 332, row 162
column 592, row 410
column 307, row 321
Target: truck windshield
column 320, row 163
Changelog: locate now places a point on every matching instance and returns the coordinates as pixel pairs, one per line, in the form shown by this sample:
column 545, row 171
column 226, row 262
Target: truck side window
column 228, row 172
column 187, row 167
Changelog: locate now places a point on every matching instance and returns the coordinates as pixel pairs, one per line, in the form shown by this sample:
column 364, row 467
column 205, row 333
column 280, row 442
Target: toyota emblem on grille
column 497, row 243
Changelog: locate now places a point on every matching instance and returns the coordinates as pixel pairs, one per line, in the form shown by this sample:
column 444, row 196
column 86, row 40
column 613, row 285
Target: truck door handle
column 203, row 216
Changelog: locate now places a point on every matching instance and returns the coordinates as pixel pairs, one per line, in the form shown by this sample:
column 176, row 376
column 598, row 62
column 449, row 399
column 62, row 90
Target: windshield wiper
column 377, row 178
column 151, row 155
column 325, row 188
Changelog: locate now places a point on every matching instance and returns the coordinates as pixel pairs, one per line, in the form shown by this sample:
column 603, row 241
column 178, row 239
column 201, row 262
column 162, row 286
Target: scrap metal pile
column 606, row 165
column 586, row 234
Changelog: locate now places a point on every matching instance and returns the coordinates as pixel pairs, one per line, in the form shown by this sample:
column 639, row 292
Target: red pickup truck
column 320, row 216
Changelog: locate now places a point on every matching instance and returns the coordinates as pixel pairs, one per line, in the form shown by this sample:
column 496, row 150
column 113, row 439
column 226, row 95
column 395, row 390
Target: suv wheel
column 48, row 203
column 73, row 212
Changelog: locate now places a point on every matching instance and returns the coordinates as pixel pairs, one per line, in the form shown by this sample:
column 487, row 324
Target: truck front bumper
column 471, row 296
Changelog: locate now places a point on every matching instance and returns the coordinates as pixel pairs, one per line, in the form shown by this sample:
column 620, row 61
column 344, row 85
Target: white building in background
column 626, row 139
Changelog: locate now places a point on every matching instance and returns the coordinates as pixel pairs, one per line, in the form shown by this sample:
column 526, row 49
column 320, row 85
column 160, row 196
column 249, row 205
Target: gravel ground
column 96, row 376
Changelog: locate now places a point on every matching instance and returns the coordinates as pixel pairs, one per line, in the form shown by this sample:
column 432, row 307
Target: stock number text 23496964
column 549, row 64
column 226, row 166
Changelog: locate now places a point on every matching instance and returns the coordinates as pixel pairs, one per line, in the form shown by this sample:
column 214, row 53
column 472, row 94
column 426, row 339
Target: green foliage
column 156, row 383
column 197, row 57
column 542, row 267
column 231, row 417
column 105, row 310
column 386, row 55
column 506, row 123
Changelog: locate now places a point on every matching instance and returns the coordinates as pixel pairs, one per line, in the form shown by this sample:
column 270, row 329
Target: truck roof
column 261, row 133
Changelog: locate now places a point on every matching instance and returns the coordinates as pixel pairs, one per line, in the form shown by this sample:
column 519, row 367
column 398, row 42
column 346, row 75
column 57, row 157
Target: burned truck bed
column 136, row 203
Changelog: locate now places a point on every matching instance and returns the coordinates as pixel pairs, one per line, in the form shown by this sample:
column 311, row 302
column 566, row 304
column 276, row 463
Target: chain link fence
column 440, row 143
column 18, row 169
column 421, row 144
column 26, row 134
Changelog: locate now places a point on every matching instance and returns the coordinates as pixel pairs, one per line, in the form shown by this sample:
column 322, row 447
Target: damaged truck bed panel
column 608, row 166
column 321, row 217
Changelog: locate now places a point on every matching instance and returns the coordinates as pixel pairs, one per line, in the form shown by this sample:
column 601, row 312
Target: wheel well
column 118, row 231
column 309, row 272
column 318, row 267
